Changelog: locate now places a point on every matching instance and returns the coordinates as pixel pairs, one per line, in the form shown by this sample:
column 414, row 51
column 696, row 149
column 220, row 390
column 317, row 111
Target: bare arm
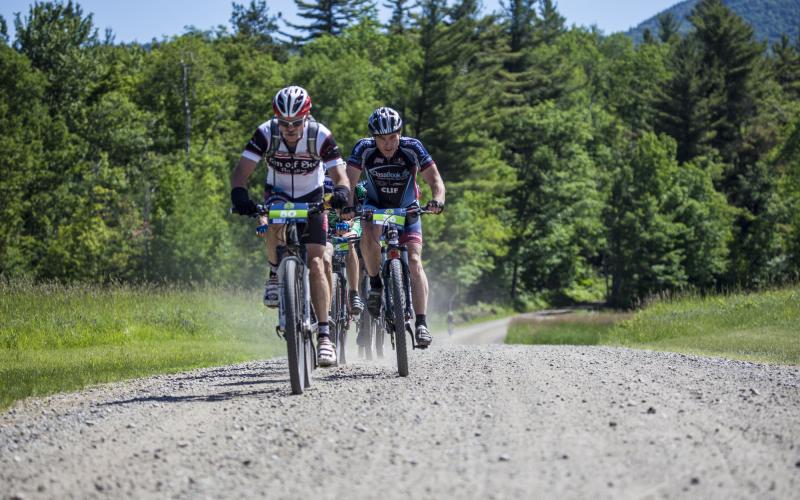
column 434, row 180
column 353, row 174
column 242, row 172
column 338, row 176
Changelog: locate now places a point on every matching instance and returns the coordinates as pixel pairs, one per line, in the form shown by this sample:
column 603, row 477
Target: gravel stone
column 237, row 431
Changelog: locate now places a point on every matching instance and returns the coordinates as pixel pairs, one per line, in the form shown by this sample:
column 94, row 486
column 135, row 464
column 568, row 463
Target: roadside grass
column 63, row 337
column 760, row 327
column 478, row 313
column 579, row 328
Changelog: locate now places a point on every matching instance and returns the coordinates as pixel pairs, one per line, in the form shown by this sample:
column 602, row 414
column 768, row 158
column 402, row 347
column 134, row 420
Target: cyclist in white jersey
column 298, row 152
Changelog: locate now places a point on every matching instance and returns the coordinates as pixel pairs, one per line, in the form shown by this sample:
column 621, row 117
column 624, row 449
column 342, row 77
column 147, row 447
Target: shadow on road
column 190, row 398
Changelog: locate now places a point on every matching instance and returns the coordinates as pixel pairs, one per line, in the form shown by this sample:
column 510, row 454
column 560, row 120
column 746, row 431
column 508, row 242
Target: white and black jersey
column 298, row 172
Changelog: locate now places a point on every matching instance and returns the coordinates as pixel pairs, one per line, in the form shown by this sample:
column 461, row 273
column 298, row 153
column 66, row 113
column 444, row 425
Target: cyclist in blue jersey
column 298, row 151
column 390, row 163
column 346, row 228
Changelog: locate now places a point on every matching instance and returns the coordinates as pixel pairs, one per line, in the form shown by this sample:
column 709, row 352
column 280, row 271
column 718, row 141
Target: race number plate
column 281, row 213
column 396, row 216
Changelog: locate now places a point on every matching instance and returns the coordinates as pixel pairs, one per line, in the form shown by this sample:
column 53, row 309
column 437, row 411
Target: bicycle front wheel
column 399, row 315
column 292, row 310
column 337, row 318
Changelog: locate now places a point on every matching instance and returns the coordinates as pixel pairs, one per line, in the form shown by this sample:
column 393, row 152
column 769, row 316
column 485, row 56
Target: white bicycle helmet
column 291, row 102
column 385, row 121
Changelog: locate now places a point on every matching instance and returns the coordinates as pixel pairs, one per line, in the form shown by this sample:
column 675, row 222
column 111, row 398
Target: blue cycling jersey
column 391, row 182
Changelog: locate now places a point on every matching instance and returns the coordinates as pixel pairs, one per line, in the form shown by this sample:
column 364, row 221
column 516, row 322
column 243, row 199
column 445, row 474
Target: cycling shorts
column 315, row 231
column 411, row 232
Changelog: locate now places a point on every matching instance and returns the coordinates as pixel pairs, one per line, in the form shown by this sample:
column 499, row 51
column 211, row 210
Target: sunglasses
column 293, row 123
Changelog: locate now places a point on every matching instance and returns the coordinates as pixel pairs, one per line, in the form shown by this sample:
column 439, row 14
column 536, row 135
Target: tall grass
column 758, row 326
column 59, row 337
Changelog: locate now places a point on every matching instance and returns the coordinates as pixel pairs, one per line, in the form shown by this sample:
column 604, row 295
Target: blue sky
column 143, row 20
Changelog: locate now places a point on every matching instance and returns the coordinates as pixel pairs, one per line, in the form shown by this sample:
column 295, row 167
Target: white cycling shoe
column 326, row 352
column 271, row 292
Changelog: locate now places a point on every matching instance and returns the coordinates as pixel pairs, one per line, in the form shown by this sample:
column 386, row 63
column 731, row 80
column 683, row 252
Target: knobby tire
column 399, row 313
column 295, row 348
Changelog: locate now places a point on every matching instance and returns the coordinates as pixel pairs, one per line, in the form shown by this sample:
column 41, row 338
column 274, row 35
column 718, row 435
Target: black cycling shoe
column 374, row 300
column 424, row 338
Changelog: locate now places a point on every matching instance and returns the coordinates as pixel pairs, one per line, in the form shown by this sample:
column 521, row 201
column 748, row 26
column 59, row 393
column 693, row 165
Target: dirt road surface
column 481, row 420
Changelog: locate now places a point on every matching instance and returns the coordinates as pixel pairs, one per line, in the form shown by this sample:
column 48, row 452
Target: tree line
column 579, row 166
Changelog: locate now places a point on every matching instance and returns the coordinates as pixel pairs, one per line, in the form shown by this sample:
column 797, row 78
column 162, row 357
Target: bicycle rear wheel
column 337, row 319
column 295, row 338
column 365, row 331
column 379, row 335
column 399, row 315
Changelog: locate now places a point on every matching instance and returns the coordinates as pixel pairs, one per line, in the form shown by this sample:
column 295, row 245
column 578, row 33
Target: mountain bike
column 339, row 319
column 294, row 309
column 397, row 306
column 367, row 326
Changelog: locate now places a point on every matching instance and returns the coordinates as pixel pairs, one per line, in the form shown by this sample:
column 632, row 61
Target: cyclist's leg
column 315, row 238
column 371, row 252
column 412, row 238
column 419, row 280
column 320, row 290
column 329, row 266
column 274, row 236
column 352, row 267
column 371, row 246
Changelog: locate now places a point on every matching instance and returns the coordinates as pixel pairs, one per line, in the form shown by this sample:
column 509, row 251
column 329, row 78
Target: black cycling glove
column 242, row 202
column 341, row 197
column 433, row 205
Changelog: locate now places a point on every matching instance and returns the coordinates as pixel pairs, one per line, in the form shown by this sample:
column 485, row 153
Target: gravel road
column 472, row 421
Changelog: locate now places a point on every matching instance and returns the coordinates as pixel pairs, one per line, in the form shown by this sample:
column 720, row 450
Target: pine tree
column 330, row 16
column 401, row 13
column 730, row 50
column 668, row 27
column 435, row 71
column 786, row 66
column 688, row 103
column 3, row 31
column 255, row 22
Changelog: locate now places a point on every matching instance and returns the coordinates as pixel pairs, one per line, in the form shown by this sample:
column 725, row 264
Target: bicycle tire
column 399, row 315
column 295, row 338
column 365, row 331
column 380, row 337
column 336, row 319
column 344, row 311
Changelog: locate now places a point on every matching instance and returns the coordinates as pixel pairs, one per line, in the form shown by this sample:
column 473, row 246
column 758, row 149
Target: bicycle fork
column 387, row 299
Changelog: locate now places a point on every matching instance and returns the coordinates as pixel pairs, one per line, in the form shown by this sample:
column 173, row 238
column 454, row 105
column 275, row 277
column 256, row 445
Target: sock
column 375, row 282
column 273, row 268
column 421, row 320
column 322, row 330
column 353, row 293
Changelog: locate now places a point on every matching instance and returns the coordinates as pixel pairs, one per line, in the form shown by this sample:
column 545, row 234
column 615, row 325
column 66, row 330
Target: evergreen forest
column 579, row 166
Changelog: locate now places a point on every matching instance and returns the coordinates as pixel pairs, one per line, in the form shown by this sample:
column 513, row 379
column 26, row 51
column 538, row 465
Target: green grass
column 581, row 328
column 761, row 327
column 57, row 338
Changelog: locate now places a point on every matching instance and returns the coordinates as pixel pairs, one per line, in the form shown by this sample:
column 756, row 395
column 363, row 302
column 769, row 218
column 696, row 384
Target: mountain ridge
column 770, row 19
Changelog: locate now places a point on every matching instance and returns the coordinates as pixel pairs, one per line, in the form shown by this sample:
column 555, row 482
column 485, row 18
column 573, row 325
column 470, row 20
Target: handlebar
column 262, row 209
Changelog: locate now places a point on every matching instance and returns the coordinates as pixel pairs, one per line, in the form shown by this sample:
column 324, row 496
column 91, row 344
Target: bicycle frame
column 393, row 250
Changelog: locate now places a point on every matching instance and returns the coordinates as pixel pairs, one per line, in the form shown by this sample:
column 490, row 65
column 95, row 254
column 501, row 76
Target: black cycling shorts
column 315, row 231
